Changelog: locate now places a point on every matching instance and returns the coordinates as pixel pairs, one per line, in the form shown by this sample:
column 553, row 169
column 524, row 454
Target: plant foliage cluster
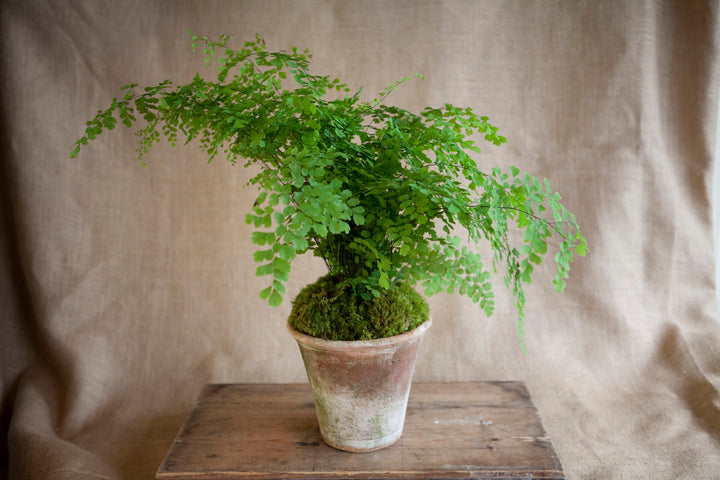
column 376, row 191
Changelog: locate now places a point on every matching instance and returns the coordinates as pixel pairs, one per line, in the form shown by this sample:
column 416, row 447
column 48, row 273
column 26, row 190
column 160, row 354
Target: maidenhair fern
column 378, row 192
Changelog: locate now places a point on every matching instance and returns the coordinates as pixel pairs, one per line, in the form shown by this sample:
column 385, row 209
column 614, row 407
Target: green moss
column 327, row 309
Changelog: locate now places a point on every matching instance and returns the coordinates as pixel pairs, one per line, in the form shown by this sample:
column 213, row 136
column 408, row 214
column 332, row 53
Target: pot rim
column 321, row 343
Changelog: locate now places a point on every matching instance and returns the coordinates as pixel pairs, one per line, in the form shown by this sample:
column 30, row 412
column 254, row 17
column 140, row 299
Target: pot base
column 366, row 446
column 361, row 424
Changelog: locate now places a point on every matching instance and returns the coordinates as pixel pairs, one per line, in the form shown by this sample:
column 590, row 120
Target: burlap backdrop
column 125, row 289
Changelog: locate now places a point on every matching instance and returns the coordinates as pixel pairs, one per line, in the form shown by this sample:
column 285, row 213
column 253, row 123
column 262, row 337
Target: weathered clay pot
column 360, row 387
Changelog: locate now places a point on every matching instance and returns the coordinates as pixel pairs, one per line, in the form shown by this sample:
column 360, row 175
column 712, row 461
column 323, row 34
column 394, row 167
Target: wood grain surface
column 452, row 430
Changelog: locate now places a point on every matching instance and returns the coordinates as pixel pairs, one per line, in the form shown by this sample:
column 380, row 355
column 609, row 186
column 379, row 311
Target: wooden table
column 452, row 430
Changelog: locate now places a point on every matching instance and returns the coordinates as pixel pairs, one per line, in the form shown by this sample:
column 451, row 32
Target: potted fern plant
column 378, row 193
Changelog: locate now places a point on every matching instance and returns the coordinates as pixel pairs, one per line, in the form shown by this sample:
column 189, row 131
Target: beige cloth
column 125, row 289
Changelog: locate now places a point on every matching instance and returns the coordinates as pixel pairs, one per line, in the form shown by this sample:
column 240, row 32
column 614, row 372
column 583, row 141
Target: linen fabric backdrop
column 125, row 289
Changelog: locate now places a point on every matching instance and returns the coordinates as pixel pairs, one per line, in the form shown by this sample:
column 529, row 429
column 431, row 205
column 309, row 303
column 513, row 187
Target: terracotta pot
column 360, row 387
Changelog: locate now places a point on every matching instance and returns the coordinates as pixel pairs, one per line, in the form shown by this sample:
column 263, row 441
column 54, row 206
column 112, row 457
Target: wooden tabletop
column 452, row 430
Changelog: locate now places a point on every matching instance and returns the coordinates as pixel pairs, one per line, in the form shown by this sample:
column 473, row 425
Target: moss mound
column 325, row 310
